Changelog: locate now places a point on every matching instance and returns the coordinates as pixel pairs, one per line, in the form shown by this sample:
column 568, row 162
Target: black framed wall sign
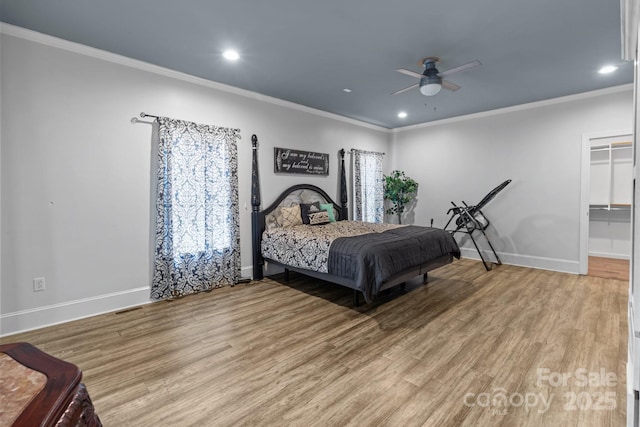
column 287, row 160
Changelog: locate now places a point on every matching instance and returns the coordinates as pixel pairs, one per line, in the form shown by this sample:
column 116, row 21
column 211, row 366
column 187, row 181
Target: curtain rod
column 376, row 152
column 143, row 115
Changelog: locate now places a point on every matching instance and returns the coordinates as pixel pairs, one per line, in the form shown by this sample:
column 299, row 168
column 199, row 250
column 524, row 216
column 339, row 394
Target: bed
column 367, row 258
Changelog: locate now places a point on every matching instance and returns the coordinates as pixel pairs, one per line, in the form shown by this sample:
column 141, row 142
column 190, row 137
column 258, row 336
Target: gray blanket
column 372, row 259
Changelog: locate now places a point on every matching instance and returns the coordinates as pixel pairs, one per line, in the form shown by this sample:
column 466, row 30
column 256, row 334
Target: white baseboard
column 561, row 265
column 39, row 317
column 610, row 255
column 246, row 271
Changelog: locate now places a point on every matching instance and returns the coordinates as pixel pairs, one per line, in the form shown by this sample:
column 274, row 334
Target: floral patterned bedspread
column 307, row 246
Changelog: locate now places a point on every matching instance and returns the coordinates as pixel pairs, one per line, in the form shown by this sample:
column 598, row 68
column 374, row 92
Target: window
column 200, row 197
column 369, row 186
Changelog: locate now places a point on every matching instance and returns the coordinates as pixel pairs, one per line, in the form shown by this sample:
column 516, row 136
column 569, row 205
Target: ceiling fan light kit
column 431, row 80
column 430, row 87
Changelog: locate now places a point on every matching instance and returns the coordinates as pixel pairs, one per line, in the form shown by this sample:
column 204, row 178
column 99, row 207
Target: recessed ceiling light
column 607, row 69
column 231, row 55
column 347, row 90
column 402, row 115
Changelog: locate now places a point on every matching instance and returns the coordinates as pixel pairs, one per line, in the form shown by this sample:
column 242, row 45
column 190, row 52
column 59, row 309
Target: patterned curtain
column 197, row 227
column 369, row 186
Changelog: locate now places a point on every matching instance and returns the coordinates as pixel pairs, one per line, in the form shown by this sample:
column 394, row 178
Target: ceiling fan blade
column 450, row 86
column 409, row 73
column 406, row 89
column 460, row 68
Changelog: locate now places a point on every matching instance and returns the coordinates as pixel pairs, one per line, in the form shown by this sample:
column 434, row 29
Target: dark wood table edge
column 63, row 378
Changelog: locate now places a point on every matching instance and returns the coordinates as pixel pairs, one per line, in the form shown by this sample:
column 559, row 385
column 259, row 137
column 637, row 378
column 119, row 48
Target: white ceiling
column 308, row 51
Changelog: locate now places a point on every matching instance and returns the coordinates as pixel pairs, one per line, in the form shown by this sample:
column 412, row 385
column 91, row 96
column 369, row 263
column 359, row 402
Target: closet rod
column 612, row 208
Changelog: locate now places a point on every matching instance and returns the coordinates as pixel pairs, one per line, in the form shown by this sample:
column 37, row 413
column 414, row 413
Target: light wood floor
column 609, row 268
column 276, row 354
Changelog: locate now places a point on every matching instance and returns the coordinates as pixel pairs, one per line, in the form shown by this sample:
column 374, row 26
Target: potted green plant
column 400, row 190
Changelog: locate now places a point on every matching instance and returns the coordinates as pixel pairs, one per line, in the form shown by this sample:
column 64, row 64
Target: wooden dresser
column 36, row 389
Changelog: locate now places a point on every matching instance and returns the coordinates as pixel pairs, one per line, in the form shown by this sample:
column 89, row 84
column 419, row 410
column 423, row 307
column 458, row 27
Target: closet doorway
column 607, row 185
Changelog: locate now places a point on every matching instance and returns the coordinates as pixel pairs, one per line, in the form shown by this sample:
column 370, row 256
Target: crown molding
column 36, row 37
column 81, row 49
column 521, row 107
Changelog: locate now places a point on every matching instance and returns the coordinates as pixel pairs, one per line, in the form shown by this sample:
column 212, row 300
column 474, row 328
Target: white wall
column 534, row 219
column 76, row 173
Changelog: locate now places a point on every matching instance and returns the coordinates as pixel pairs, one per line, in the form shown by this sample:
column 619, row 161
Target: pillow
column 329, row 208
column 291, row 216
column 319, row 218
column 308, row 208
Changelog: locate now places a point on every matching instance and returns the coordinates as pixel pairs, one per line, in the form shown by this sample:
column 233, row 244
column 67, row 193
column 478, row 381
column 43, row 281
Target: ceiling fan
column 432, row 80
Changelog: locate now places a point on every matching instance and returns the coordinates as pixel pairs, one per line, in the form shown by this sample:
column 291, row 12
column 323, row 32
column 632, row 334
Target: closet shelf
column 612, row 146
column 611, row 207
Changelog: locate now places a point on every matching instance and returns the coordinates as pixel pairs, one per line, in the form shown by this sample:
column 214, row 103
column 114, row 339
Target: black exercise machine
column 471, row 219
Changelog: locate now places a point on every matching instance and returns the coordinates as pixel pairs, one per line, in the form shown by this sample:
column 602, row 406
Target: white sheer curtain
column 368, row 191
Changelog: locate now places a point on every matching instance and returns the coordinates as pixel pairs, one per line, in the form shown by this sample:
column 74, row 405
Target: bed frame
column 258, row 225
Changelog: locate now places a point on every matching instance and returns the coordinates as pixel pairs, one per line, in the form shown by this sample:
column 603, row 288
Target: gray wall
column 76, row 173
column 535, row 219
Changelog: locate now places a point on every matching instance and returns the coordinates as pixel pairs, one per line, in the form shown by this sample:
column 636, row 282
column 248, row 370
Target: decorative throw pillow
column 291, row 216
column 319, row 218
column 329, row 208
column 308, row 208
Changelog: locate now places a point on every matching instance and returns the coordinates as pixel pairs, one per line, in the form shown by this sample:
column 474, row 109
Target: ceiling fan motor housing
column 430, row 79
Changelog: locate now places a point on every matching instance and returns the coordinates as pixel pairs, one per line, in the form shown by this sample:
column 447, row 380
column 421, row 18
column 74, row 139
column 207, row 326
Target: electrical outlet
column 38, row 284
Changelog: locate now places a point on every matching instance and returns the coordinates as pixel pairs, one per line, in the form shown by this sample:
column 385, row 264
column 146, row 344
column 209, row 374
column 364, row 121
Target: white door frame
column 585, row 184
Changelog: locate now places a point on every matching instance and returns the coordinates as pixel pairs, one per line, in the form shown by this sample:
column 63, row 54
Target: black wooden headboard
column 258, row 217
